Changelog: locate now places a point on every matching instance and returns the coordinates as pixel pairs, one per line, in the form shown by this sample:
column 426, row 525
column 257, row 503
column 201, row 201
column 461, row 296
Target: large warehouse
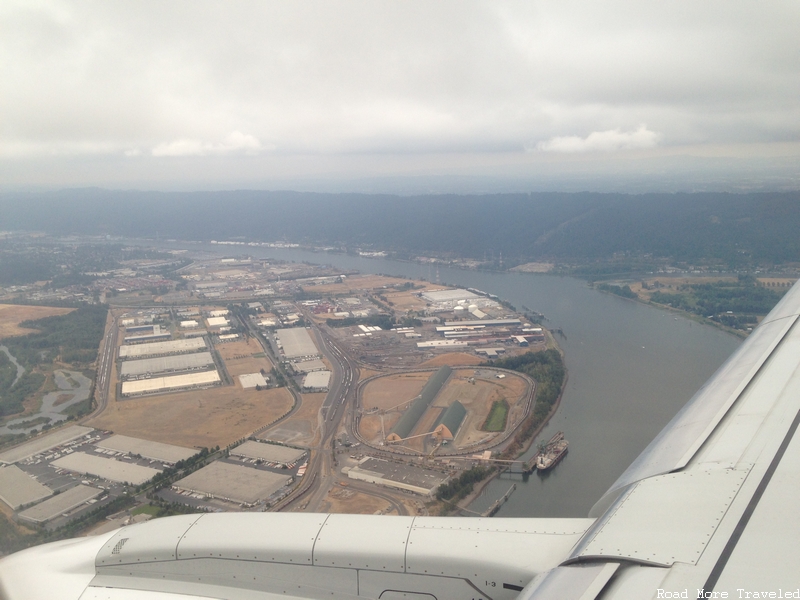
column 160, row 348
column 448, row 295
column 268, row 452
column 166, row 364
column 17, row 488
column 234, row 483
column 105, row 468
column 317, row 381
column 166, row 453
column 44, row 443
column 397, row 475
column 60, row 504
column 174, row 382
column 296, row 342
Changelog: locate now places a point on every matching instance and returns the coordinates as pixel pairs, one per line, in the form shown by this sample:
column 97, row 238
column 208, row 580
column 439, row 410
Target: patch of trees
column 733, row 303
column 76, row 336
column 458, row 488
column 11, row 399
column 382, row 320
column 20, row 269
column 625, row 291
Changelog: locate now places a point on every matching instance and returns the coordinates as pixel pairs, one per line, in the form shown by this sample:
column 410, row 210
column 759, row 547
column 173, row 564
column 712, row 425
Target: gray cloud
column 265, row 84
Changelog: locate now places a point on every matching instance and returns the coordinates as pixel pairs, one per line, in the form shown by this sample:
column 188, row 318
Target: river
column 631, row 367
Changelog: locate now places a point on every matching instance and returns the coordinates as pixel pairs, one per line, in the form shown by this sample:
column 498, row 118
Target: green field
column 496, row 421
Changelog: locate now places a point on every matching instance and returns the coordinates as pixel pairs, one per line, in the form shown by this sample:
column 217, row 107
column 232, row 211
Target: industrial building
column 414, row 412
column 166, row 364
column 173, row 382
column 449, row 422
column 234, row 483
column 486, row 323
column 397, row 475
column 251, row 380
column 105, row 468
column 145, row 339
column 165, row 453
column 162, row 348
column 44, row 443
column 17, row 488
column 60, row 504
column 448, row 295
column 271, row 453
column 296, row 343
column 307, row 366
column 217, row 321
column 317, row 381
column 442, row 344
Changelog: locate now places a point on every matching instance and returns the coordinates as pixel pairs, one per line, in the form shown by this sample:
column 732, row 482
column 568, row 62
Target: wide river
column 631, row 367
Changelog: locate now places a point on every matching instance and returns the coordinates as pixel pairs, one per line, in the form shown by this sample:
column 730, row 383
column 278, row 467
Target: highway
column 341, row 394
column 105, row 363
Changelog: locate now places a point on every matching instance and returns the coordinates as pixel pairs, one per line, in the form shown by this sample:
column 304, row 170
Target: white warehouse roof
column 142, row 386
column 165, row 364
column 157, row 348
column 317, row 380
column 296, row 342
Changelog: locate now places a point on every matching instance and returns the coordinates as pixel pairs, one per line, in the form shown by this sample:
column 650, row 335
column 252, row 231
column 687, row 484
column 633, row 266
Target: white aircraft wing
column 710, row 509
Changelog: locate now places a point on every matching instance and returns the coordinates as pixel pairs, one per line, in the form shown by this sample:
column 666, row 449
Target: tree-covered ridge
column 735, row 230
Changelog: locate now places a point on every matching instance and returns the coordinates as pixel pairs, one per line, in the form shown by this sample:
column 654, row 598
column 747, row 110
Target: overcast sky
column 336, row 95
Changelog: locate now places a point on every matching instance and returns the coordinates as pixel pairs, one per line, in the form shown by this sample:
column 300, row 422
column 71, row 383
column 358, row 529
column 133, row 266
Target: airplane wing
column 709, row 510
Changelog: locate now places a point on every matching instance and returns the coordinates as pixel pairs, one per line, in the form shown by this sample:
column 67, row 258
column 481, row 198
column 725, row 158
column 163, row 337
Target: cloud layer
column 602, row 141
column 315, row 87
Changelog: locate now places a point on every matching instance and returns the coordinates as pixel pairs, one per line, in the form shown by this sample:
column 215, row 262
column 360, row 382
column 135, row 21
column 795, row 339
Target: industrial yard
column 359, row 396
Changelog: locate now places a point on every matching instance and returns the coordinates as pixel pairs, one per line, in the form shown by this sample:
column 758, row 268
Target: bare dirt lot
column 212, row 417
column 342, row 500
column 387, row 392
column 453, row 359
column 361, row 282
column 11, row 315
column 240, row 360
column 302, row 427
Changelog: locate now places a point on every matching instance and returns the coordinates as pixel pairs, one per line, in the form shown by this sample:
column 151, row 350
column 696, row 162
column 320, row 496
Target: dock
column 499, row 502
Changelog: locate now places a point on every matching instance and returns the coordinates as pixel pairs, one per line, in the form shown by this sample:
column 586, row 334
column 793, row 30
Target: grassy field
column 496, row 421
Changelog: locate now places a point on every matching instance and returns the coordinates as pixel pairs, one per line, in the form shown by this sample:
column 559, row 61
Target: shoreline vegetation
column 733, row 304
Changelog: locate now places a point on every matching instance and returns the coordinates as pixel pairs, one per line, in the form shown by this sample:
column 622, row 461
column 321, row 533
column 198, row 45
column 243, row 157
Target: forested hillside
column 737, row 230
